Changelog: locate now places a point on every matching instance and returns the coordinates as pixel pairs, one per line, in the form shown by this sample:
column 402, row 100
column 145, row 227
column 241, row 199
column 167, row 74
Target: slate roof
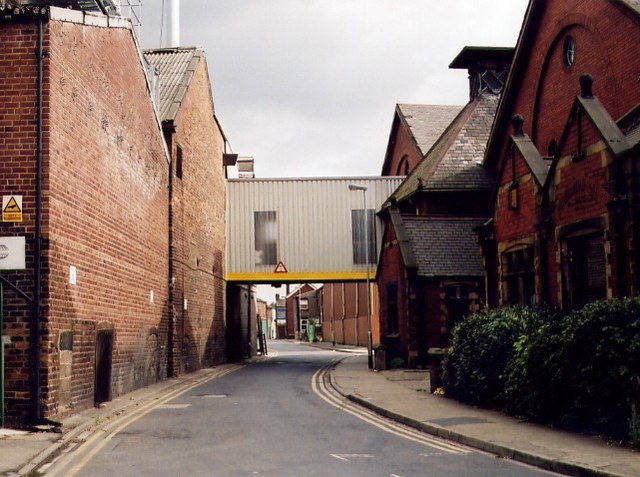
column 426, row 122
column 176, row 67
column 443, row 247
column 454, row 161
column 536, row 163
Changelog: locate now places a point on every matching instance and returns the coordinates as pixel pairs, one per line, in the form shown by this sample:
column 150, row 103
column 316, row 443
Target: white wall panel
column 313, row 226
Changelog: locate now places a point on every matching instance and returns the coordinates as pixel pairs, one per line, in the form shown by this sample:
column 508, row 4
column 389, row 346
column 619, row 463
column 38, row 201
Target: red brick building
column 197, row 208
column 430, row 273
column 564, row 228
column 122, row 299
column 344, row 313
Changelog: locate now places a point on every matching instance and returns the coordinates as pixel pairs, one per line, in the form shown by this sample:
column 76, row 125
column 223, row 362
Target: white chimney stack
column 173, row 30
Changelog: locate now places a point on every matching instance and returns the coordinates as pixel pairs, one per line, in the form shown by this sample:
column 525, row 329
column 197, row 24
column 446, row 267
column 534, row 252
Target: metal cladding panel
column 304, row 224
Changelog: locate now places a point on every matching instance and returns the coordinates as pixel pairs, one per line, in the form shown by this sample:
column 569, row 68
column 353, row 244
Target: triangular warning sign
column 12, row 207
column 280, row 268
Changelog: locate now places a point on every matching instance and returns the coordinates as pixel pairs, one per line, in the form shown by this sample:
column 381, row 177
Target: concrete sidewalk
column 403, row 396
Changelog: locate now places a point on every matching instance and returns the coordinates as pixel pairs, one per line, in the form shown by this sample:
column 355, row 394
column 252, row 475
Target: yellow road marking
column 319, row 387
column 139, row 413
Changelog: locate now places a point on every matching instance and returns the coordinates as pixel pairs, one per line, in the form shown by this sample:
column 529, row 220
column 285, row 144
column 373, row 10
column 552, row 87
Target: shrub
column 482, row 346
column 581, row 370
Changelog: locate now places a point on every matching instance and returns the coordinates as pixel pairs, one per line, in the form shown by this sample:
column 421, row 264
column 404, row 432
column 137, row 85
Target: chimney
column 488, row 68
column 172, row 39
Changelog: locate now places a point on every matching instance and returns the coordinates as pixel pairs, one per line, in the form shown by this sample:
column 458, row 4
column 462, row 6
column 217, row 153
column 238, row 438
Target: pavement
column 401, row 395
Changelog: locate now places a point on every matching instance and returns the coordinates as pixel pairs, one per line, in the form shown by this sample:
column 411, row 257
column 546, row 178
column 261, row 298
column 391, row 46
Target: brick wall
column 602, row 31
column 105, row 207
column 17, row 176
column 198, row 230
column 579, row 191
column 107, row 214
column 404, row 149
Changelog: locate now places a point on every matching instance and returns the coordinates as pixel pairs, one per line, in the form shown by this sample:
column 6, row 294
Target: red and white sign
column 280, row 268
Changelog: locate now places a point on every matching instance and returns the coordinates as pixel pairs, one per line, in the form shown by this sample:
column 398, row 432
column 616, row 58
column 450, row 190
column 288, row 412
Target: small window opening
column 569, row 51
column 179, row 163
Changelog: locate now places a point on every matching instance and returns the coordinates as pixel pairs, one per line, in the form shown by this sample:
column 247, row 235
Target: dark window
column 552, row 148
column 179, row 163
column 457, row 303
column 66, row 341
column 518, row 277
column 392, row 309
column 403, row 167
column 569, row 51
column 266, row 237
column 360, row 244
column 584, row 270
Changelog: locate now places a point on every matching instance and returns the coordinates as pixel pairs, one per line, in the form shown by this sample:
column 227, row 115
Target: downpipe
column 35, row 337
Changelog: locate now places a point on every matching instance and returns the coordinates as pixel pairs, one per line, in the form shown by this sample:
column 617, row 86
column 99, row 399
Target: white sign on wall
column 12, row 253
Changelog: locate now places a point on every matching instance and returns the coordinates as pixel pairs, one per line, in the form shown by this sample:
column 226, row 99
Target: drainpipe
column 357, row 313
column 1, row 356
column 35, row 324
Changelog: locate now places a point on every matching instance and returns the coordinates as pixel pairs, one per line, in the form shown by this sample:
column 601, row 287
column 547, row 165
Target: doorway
column 104, row 358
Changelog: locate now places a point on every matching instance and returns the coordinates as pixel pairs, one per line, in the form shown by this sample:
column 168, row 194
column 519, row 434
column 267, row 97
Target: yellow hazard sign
column 12, row 208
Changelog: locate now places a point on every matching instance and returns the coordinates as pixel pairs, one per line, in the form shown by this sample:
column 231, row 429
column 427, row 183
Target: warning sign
column 12, row 208
column 280, row 268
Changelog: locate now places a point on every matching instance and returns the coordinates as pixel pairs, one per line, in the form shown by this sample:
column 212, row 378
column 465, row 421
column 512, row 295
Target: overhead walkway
column 304, row 230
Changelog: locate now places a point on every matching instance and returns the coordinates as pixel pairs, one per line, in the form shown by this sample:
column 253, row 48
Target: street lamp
column 365, row 218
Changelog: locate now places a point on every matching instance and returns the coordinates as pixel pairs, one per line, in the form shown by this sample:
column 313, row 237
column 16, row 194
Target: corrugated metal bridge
column 304, row 230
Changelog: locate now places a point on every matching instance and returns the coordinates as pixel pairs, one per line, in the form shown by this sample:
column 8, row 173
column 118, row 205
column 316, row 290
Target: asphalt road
column 275, row 418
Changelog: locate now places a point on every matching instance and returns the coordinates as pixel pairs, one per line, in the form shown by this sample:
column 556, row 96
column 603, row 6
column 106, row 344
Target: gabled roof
column 532, row 158
column 439, row 247
column 530, row 25
column 176, row 67
column 424, row 122
column 454, row 161
column 298, row 290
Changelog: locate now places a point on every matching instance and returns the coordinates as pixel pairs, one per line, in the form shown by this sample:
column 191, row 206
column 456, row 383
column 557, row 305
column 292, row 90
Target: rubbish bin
column 380, row 357
column 311, row 331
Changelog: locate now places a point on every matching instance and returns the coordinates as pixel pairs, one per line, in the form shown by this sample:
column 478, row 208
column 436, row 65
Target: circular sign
column 4, row 251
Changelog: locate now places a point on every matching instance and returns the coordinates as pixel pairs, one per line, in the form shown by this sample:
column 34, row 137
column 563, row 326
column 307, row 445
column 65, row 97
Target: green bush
column 482, row 346
column 581, row 371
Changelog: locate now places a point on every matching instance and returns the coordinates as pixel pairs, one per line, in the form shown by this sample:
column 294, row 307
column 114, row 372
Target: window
column 179, row 162
column 518, row 276
column 304, row 303
column 457, row 305
column 569, row 51
column 392, row 308
column 362, row 244
column 584, row 269
column 403, row 166
column 266, row 237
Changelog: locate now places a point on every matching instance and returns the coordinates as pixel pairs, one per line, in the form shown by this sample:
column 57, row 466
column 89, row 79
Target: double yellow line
column 101, row 437
column 328, row 394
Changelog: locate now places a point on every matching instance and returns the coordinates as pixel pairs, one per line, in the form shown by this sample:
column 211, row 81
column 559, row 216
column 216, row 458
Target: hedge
column 580, row 370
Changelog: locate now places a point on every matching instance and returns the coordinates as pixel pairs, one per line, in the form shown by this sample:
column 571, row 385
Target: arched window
column 403, row 167
column 569, row 51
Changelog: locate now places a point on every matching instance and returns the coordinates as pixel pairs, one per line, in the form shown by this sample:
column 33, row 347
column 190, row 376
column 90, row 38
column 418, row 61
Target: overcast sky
column 309, row 87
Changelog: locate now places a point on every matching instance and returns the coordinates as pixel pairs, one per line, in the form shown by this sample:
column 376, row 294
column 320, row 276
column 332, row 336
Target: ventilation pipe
column 173, row 24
